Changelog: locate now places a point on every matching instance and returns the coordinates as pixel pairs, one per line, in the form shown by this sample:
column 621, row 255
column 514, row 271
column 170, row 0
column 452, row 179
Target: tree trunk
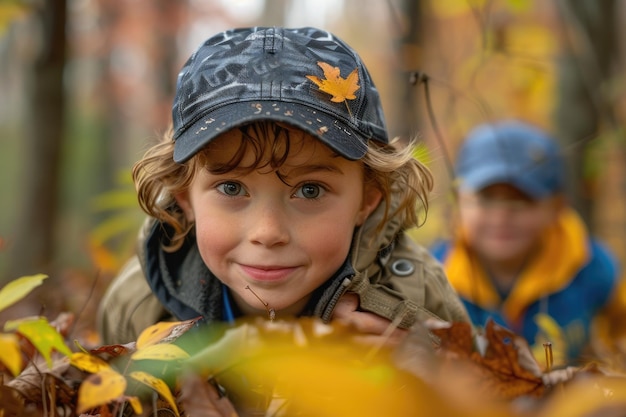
column 583, row 111
column 33, row 239
column 406, row 122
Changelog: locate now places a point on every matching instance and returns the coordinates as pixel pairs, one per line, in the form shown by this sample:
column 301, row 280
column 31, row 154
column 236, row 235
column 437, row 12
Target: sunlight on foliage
column 421, row 152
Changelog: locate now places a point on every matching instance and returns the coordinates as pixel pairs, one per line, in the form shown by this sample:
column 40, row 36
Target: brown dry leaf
column 28, row 382
column 502, row 359
column 498, row 372
column 109, row 352
column 341, row 89
column 455, row 339
column 11, row 402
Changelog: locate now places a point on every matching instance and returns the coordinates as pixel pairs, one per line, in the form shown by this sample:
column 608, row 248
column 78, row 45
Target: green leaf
column 18, row 289
column 42, row 335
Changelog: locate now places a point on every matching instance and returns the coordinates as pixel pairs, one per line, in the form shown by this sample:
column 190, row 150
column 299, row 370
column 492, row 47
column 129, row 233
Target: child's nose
column 269, row 226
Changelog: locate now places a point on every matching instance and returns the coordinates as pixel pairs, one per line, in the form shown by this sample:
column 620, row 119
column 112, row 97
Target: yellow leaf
column 10, row 354
column 136, row 404
column 157, row 332
column 42, row 335
column 549, row 331
column 269, row 360
column 18, row 289
column 99, row 389
column 160, row 352
column 88, row 363
column 455, row 8
column 341, row 89
column 158, row 385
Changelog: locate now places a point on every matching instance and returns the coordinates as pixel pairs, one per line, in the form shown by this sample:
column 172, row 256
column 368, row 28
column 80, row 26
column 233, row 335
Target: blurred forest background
column 86, row 87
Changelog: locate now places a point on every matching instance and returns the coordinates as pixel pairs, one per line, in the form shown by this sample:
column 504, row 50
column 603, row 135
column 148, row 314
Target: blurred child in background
column 520, row 254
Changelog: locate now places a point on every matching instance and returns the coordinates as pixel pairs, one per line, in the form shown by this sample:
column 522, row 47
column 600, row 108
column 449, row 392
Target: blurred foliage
column 11, row 10
column 112, row 241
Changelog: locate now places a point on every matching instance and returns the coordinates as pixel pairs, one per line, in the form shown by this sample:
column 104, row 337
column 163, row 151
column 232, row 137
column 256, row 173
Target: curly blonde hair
column 390, row 168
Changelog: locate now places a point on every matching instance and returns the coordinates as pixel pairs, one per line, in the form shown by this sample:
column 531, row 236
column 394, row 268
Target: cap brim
column 488, row 175
column 330, row 130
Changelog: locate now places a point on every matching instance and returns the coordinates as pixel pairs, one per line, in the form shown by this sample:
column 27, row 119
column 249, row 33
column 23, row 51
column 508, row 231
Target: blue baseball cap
column 511, row 152
column 245, row 75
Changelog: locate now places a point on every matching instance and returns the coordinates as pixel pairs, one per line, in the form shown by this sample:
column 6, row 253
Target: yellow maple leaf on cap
column 341, row 89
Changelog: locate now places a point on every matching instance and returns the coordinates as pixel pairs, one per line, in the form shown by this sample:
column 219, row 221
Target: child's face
column 502, row 224
column 281, row 238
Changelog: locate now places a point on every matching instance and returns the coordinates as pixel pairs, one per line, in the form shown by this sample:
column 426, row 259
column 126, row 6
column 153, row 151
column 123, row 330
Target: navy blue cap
column 511, row 152
column 252, row 74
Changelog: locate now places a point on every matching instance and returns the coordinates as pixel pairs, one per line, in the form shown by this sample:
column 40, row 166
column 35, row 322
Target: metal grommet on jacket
column 402, row 267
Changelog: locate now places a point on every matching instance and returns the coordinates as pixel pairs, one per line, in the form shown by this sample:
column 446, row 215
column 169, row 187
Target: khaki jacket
column 394, row 277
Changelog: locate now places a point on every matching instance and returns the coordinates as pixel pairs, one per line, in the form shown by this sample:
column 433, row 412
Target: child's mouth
column 268, row 273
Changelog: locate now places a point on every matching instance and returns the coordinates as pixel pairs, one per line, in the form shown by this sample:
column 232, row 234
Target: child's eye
column 309, row 191
column 231, row 189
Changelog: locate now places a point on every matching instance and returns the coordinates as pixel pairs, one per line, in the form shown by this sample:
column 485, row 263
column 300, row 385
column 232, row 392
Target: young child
column 520, row 254
column 278, row 194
